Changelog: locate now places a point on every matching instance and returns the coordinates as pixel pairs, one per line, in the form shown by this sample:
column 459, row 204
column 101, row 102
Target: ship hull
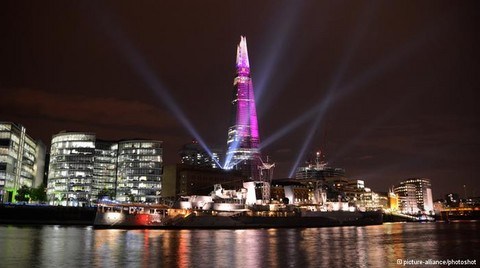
column 127, row 221
column 304, row 220
column 240, row 219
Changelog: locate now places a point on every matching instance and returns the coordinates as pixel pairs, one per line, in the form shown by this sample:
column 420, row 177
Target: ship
column 112, row 214
column 230, row 209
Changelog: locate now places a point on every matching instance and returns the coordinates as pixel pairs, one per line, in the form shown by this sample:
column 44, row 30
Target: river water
column 370, row 246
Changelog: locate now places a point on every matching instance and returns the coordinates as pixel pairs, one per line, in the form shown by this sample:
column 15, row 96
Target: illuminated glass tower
column 71, row 168
column 243, row 140
column 81, row 167
column 139, row 172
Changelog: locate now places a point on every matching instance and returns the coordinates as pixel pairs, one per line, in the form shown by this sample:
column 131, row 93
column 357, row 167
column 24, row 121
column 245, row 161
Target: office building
column 22, row 160
column 415, row 196
column 70, row 172
column 81, row 167
column 139, row 171
column 105, row 167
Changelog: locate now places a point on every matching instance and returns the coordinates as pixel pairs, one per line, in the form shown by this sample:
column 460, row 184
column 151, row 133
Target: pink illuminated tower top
column 242, row 56
column 243, row 139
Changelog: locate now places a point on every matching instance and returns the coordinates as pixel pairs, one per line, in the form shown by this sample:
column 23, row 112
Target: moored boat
column 130, row 215
column 228, row 209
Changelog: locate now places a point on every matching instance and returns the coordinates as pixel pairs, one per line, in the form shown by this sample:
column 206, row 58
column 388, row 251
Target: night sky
column 390, row 89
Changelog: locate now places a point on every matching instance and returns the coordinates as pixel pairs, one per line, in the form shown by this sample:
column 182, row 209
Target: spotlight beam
column 142, row 69
column 306, row 143
column 352, row 46
column 397, row 56
column 279, row 32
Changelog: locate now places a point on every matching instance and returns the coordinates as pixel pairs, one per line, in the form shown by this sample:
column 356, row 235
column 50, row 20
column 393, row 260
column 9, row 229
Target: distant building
column 81, row 167
column 452, row 200
column 392, row 201
column 381, row 200
column 22, row 160
column 290, row 191
column 182, row 179
column 415, row 195
column 193, row 154
column 317, row 169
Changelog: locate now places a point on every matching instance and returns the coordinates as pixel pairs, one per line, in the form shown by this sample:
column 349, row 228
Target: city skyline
column 386, row 91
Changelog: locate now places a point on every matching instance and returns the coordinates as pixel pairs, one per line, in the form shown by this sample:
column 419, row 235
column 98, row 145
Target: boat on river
column 130, row 215
column 229, row 209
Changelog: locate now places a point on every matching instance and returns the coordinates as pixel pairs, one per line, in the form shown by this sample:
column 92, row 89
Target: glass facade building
column 104, row 167
column 71, row 167
column 243, row 139
column 81, row 167
column 139, row 174
column 22, row 160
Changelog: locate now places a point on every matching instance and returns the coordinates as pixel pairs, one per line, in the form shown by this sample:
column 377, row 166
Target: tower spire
column 243, row 140
column 242, row 54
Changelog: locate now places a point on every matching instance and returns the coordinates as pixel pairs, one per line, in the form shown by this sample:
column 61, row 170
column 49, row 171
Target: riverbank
column 44, row 214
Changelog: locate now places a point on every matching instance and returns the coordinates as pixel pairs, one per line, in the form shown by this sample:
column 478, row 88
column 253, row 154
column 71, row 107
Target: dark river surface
column 387, row 245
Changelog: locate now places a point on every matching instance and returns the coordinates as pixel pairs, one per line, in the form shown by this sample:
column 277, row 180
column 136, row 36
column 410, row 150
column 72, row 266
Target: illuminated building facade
column 70, row 172
column 193, row 154
column 22, row 160
column 243, row 139
column 139, row 171
column 392, row 201
column 104, row 167
column 81, row 167
column 414, row 196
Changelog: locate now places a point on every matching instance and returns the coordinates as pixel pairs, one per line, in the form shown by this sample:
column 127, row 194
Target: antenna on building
column 317, row 159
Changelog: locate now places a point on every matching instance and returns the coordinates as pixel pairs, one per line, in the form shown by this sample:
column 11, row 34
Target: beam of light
column 362, row 26
column 398, row 55
column 233, row 146
column 331, row 95
column 401, row 54
column 141, row 67
column 324, row 105
column 280, row 30
column 306, row 143
column 232, row 164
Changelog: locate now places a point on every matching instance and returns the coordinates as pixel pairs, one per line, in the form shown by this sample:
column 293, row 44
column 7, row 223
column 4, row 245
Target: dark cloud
column 86, row 110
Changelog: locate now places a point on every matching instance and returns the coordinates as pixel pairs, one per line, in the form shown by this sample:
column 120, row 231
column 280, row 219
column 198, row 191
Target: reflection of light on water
column 249, row 246
column 184, row 249
column 146, row 248
column 370, row 246
column 106, row 243
column 273, row 240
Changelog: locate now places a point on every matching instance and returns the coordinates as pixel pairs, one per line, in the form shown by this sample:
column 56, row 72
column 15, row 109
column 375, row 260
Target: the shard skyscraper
column 243, row 140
